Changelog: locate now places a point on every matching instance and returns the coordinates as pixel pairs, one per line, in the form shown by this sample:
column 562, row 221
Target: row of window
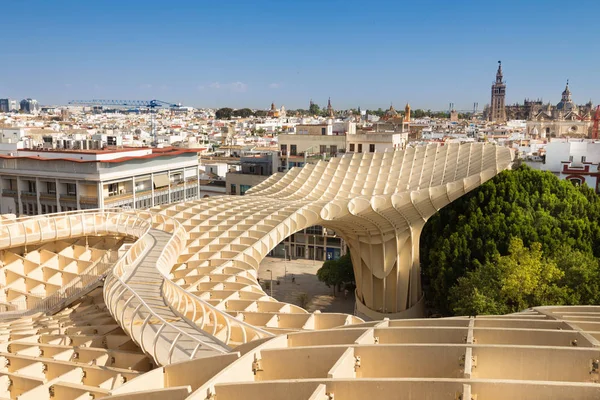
column 360, row 148
column 293, row 150
column 243, row 189
column 50, row 187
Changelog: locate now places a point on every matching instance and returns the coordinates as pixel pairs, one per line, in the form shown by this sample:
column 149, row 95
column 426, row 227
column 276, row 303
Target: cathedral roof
column 567, row 91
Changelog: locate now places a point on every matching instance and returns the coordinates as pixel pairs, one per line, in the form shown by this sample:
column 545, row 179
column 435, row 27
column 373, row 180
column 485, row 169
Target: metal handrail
column 92, row 274
column 22, row 231
column 116, row 284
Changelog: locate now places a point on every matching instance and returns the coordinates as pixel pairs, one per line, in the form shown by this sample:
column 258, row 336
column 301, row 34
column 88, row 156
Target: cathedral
column 497, row 112
column 564, row 119
column 543, row 120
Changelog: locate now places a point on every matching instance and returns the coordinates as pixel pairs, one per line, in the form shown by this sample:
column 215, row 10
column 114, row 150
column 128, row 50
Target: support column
column 169, row 187
column 19, row 205
column 152, row 188
column 57, row 190
column 133, row 191
column 77, row 195
column 100, row 194
column 37, row 195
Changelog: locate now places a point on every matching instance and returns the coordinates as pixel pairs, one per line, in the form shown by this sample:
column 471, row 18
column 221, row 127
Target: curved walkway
column 162, row 332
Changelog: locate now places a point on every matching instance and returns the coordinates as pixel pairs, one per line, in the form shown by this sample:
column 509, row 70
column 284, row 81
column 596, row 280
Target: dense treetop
column 523, row 239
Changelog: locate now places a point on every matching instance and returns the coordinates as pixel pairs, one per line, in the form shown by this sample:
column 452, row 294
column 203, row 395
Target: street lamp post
column 271, row 283
column 284, row 263
column 314, row 248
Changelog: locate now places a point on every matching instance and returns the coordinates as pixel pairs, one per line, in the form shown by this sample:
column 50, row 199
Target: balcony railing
column 88, row 199
column 68, row 197
column 48, row 196
column 28, row 193
column 9, row 192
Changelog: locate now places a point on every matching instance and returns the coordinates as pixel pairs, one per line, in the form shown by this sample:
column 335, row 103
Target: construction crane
column 596, row 123
column 150, row 104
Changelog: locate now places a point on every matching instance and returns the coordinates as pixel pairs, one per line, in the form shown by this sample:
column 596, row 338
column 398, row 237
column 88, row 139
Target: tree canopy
column 523, row 239
column 224, row 113
column 334, row 273
column 314, row 109
column 243, row 113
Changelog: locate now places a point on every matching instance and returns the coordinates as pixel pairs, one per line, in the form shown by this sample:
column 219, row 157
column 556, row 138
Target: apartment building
column 301, row 148
column 8, row 105
column 40, row 181
column 254, row 167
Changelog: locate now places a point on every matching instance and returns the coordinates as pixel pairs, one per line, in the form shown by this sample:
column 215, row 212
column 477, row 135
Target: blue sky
column 250, row 53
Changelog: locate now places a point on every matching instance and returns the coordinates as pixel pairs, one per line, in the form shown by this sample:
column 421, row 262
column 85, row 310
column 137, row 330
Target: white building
column 576, row 160
column 45, row 181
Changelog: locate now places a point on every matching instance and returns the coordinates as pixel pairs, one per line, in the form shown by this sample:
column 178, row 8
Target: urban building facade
column 29, row 106
column 8, row 105
column 575, row 160
column 37, row 181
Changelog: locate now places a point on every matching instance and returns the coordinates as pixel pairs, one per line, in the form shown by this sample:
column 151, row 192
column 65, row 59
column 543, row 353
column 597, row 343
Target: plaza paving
column 305, row 274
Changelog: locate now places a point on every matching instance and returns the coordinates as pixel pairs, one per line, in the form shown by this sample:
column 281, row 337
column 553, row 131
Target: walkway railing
column 23, row 231
column 197, row 311
column 158, row 337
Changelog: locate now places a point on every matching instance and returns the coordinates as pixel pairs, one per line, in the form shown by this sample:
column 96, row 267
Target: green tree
column 511, row 283
column 472, row 232
column 314, row 109
column 224, row 113
column 243, row 113
column 334, row 273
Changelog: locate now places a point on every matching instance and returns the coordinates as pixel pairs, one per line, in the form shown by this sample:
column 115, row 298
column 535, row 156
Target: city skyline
column 243, row 55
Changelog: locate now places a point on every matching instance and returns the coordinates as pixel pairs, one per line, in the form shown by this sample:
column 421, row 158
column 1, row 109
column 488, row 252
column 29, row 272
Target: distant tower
column 498, row 111
column 407, row 113
column 329, row 109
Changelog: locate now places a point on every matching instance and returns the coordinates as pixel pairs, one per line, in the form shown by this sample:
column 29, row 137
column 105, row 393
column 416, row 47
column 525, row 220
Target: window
column 371, row 148
column 582, row 159
column 284, row 149
column 233, row 191
column 323, row 149
column 323, row 131
column 360, row 147
column 293, row 150
column 351, row 146
column 333, row 150
column 51, row 187
column 570, row 158
column 244, row 188
column 71, row 189
column 31, row 186
column 113, row 189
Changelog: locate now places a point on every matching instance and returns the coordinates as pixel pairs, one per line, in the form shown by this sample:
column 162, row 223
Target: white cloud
column 231, row 86
column 274, row 85
column 238, row 86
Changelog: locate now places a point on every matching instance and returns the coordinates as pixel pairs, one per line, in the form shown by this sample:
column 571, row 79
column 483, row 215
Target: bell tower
column 498, row 110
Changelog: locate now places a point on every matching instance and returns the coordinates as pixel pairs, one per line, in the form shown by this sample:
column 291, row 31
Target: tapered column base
column 416, row 311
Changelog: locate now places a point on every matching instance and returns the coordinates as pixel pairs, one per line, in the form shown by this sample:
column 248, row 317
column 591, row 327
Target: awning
column 161, row 180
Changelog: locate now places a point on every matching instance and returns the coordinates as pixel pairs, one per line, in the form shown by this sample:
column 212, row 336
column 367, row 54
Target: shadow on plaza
column 290, row 289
